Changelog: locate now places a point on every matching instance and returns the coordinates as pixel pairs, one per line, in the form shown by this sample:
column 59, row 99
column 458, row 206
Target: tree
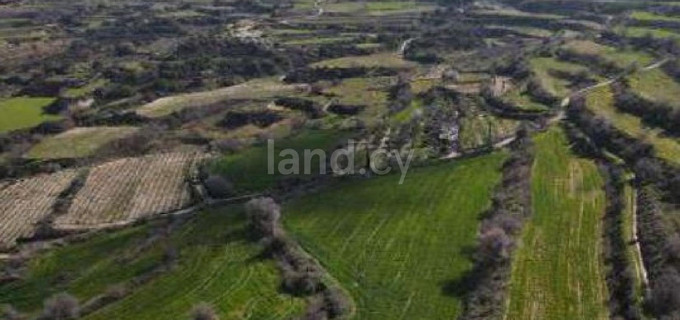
column 218, row 187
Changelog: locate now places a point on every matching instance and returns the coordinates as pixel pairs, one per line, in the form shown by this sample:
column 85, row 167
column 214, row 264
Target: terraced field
column 20, row 113
column 622, row 58
column 132, row 188
column 655, row 85
column 558, row 272
column 558, row 87
column 601, row 102
column 26, row 202
column 260, row 88
column 399, row 249
column 216, row 264
column 387, row 60
column 78, row 142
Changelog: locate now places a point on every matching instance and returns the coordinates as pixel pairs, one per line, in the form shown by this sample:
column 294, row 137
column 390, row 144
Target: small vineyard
column 132, row 188
column 26, row 202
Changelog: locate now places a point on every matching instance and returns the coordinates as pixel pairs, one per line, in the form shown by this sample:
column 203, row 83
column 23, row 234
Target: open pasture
column 24, row 112
column 78, row 142
column 400, row 250
column 558, row 270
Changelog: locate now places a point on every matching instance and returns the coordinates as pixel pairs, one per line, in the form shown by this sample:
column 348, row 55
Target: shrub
column 61, row 307
column 218, row 186
column 264, row 214
column 203, row 311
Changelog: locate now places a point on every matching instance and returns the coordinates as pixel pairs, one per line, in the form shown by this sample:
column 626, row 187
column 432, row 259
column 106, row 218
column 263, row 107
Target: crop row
column 132, row 188
column 25, row 202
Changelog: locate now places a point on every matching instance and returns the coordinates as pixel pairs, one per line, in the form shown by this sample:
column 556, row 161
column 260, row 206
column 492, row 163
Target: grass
column 318, row 41
column 655, row 85
column 78, row 142
column 24, row 112
column 653, row 32
column 480, row 130
column 264, row 88
column 385, row 59
column 522, row 100
column 601, row 102
column 622, row 58
column 648, row 16
column 216, row 264
column 83, row 269
column 399, row 249
column 377, row 7
column 86, row 89
column 556, row 86
column 248, row 169
column 634, row 257
column 558, row 271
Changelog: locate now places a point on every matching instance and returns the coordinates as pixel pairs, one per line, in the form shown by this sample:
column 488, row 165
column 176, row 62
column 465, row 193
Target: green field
column 216, row 264
column 601, row 102
column 78, row 142
column 399, row 249
column 21, row 113
column 248, row 169
column 558, row 271
column 622, row 58
column 387, row 60
column 656, row 85
column 542, row 66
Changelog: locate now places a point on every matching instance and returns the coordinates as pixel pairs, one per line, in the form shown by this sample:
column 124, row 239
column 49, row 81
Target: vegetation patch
column 655, row 85
column 600, row 101
column 24, row 112
column 78, row 142
column 387, row 60
column 558, row 272
column 374, row 243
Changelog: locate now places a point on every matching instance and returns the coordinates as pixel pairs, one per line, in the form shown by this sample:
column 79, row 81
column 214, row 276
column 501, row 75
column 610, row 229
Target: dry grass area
column 26, row 202
column 384, row 59
column 132, row 188
column 259, row 88
column 78, row 142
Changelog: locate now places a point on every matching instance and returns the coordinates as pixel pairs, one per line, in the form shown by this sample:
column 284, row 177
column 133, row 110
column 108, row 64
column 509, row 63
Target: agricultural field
column 78, row 142
column 522, row 100
column 621, row 57
column 261, row 89
column 542, row 66
column 216, row 263
column 558, row 270
column 131, row 188
column 387, row 60
column 248, row 169
column 601, row 102
column 484, row 130
column 26, row 202
column 24, row 112
column 372, row 235
column 655, row 85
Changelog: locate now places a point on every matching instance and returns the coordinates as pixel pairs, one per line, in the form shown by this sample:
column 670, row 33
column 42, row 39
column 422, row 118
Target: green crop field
column 20, row 113
column 248, row 169
column 601, row 102
column 558, row 271
column 216, row 264
column 655, row 85
column 78, row 142
column 399, row 249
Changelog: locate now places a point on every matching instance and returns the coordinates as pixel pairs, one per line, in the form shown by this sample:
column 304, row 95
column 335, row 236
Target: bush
column 203, row 311
column 264, row 214
column 61, row 307
column 218, row 187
